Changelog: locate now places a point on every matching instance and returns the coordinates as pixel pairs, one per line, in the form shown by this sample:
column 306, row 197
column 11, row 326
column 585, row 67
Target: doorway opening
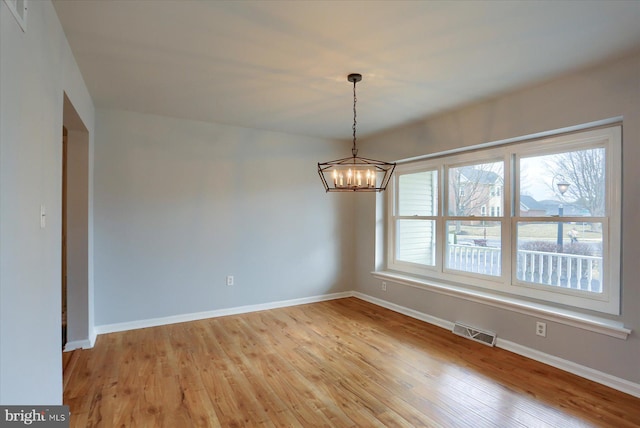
column 75, row 230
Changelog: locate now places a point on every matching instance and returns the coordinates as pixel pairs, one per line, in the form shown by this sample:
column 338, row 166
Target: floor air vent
column 486, row 337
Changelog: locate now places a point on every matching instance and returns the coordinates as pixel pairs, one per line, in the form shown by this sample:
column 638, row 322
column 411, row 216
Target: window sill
column 563, row 316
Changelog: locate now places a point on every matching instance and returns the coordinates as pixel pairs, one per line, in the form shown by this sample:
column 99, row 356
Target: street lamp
column 563, row 186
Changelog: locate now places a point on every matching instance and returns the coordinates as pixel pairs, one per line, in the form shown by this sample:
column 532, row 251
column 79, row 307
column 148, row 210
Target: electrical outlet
column 384, row 286
column 43, row 217
column 229, row 279
column 541, row 329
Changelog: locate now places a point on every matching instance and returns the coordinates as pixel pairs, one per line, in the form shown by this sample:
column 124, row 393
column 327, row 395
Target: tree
column 471, row 187
column 585, row 171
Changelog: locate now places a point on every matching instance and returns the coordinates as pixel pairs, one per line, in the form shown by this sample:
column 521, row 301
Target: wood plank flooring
column 341, row 363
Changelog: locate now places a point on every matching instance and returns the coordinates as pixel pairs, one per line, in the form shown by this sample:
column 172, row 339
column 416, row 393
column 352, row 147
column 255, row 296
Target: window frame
column 609, row 137
column 401, row 265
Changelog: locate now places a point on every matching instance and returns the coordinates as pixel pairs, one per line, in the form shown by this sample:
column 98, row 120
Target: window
column 19, row 10
column 416, row 208
column 552, row 230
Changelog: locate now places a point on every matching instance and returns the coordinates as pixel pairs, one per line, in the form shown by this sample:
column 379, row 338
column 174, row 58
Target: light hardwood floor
column 341, row 363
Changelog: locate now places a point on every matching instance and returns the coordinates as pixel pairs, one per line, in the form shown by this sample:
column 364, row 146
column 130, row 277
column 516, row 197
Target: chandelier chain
column 354, row 150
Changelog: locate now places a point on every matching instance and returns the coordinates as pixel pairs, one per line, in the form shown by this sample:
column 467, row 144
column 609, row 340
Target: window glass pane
column 562, row 254
column 474, row 186
column 570, row 184
column 474, row 246
column 416, row 241
column 418, row 194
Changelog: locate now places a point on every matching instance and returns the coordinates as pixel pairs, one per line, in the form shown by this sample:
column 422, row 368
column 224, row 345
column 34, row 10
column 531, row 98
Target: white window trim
column 608, row 303
column 550, row 313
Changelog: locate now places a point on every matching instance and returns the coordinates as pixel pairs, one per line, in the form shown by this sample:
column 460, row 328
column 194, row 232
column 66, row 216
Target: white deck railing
column 554, row 269
column 560, row 270
column 472, row 258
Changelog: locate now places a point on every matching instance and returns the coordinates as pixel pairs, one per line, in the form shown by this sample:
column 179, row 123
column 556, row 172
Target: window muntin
column 561, row 218
column 588, row 274
column 474, row 244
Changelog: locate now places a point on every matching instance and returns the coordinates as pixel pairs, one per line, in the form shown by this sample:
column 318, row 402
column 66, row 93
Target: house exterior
column 529, row 207
column 476, row 191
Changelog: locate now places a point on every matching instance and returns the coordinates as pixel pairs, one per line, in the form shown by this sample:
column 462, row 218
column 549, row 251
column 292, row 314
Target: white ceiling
column 282, row 65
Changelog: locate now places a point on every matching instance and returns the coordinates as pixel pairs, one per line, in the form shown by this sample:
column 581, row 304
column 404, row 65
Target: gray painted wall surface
column 589, row 95
column 77, row 236
column 179, row 205
column 36, row 68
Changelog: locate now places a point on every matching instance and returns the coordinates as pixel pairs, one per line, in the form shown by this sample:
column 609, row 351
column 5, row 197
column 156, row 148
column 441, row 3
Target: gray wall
column 78, row 235
column 179, row 205
column 589, row 95
column 36, row 69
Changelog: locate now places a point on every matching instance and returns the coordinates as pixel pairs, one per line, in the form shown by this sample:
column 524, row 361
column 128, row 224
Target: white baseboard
column 81, row 344
column 154, row 322
column 405, row 311
column 78, row 344
column 611, row 381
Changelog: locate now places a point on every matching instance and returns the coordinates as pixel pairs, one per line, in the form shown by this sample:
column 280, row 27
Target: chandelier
column 355, row 174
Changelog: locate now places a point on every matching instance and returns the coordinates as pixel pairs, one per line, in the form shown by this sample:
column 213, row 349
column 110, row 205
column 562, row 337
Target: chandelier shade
column 355, row 174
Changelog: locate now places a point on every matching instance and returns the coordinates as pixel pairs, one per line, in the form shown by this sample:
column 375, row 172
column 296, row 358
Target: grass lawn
column 542, row 231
